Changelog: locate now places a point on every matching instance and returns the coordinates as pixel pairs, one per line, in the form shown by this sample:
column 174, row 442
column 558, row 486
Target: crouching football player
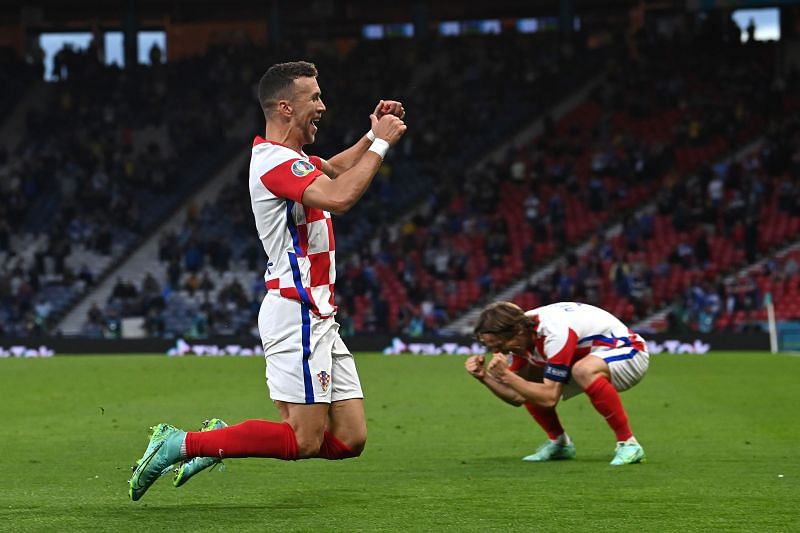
column 558, row 351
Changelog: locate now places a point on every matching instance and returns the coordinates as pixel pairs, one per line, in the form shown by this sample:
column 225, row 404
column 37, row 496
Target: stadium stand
column 206, row 236
column 647, row 144
column 116, row 159
column 438, row 234
column 16, row 78
column 713, row 222
column 594, row 168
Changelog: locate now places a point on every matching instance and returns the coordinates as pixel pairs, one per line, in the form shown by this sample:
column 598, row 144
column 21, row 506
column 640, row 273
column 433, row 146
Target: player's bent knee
column 549, row 403
column 308, row 447
column 351, row 451
column 333, row 448
column 307, row 452
column 357, row 448
column 586, row 374
column 580, row 377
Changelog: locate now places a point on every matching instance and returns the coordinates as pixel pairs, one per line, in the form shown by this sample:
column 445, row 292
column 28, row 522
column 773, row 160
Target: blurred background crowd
column 653, row 171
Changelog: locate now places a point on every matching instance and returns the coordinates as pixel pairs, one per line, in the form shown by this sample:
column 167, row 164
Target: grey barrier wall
column 48, row 346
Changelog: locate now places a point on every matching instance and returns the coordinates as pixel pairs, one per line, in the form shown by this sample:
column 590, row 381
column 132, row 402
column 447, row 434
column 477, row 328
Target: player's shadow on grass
column 298, row 500
column 512, row 461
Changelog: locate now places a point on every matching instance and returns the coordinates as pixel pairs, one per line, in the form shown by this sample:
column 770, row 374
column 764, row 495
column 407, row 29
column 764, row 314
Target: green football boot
column 552, row 451
column 187, row 469
column 628, row 453
column 163, row 450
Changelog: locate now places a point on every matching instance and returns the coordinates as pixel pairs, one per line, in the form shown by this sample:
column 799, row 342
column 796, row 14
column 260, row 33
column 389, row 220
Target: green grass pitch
column 721, row 433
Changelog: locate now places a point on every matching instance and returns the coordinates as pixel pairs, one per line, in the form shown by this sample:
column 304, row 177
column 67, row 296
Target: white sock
column 183, row 447
column 563, row 440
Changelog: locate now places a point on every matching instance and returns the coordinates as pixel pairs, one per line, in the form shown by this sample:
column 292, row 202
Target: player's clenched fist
column 498, row 366
column 390, row 107
column 474, row 365
column 389, row 128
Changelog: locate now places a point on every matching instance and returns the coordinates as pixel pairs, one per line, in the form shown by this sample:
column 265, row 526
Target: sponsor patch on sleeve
column 302, row 168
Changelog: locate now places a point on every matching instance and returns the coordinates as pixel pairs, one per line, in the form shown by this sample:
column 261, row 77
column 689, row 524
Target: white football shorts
column 627, row 366
column 307, row 360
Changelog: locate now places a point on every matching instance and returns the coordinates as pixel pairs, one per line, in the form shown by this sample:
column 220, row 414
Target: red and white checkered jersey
column 565, row 332
column 298, row 239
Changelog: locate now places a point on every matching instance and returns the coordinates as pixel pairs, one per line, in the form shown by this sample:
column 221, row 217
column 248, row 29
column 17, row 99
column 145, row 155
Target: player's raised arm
column 338, row 196
column 347, row 159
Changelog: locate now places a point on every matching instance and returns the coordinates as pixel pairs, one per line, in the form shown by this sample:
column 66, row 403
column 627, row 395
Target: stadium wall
column 193, row 39
column 49, row 346
column 11, row 38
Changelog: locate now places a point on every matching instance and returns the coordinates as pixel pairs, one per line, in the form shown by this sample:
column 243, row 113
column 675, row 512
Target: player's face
column 307, row 107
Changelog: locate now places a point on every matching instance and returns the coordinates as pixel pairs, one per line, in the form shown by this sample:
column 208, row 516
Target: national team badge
column 324, row 380
column 302, row 168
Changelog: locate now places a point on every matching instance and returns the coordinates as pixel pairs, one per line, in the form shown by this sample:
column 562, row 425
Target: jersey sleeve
column 316, row 161
column 290, row 178
column 517, row 363
column 559, row 348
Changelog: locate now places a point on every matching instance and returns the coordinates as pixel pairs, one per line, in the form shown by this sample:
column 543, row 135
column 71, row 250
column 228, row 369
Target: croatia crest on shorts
column 324, row 380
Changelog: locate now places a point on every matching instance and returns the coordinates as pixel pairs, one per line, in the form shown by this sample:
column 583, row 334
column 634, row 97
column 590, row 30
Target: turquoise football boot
column 628, row 453
column 186, row 469
column 552, row 451
column 163, row 450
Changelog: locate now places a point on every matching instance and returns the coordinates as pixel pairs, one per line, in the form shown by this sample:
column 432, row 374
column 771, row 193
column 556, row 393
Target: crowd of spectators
column 643, row 137
column 435, row 234
column 219, row 237
column 212, row 268
column 103, row 157
column 649, row 129
column 756, row 205
column 725, row 217
column 212, row 281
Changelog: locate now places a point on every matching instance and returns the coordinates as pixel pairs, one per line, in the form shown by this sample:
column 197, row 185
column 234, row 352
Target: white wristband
column 380, row 147
column 371, row 135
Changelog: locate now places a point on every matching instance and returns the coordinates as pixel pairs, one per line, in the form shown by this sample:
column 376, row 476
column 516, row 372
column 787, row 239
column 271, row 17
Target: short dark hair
column 278, row 79
column 504, row 319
